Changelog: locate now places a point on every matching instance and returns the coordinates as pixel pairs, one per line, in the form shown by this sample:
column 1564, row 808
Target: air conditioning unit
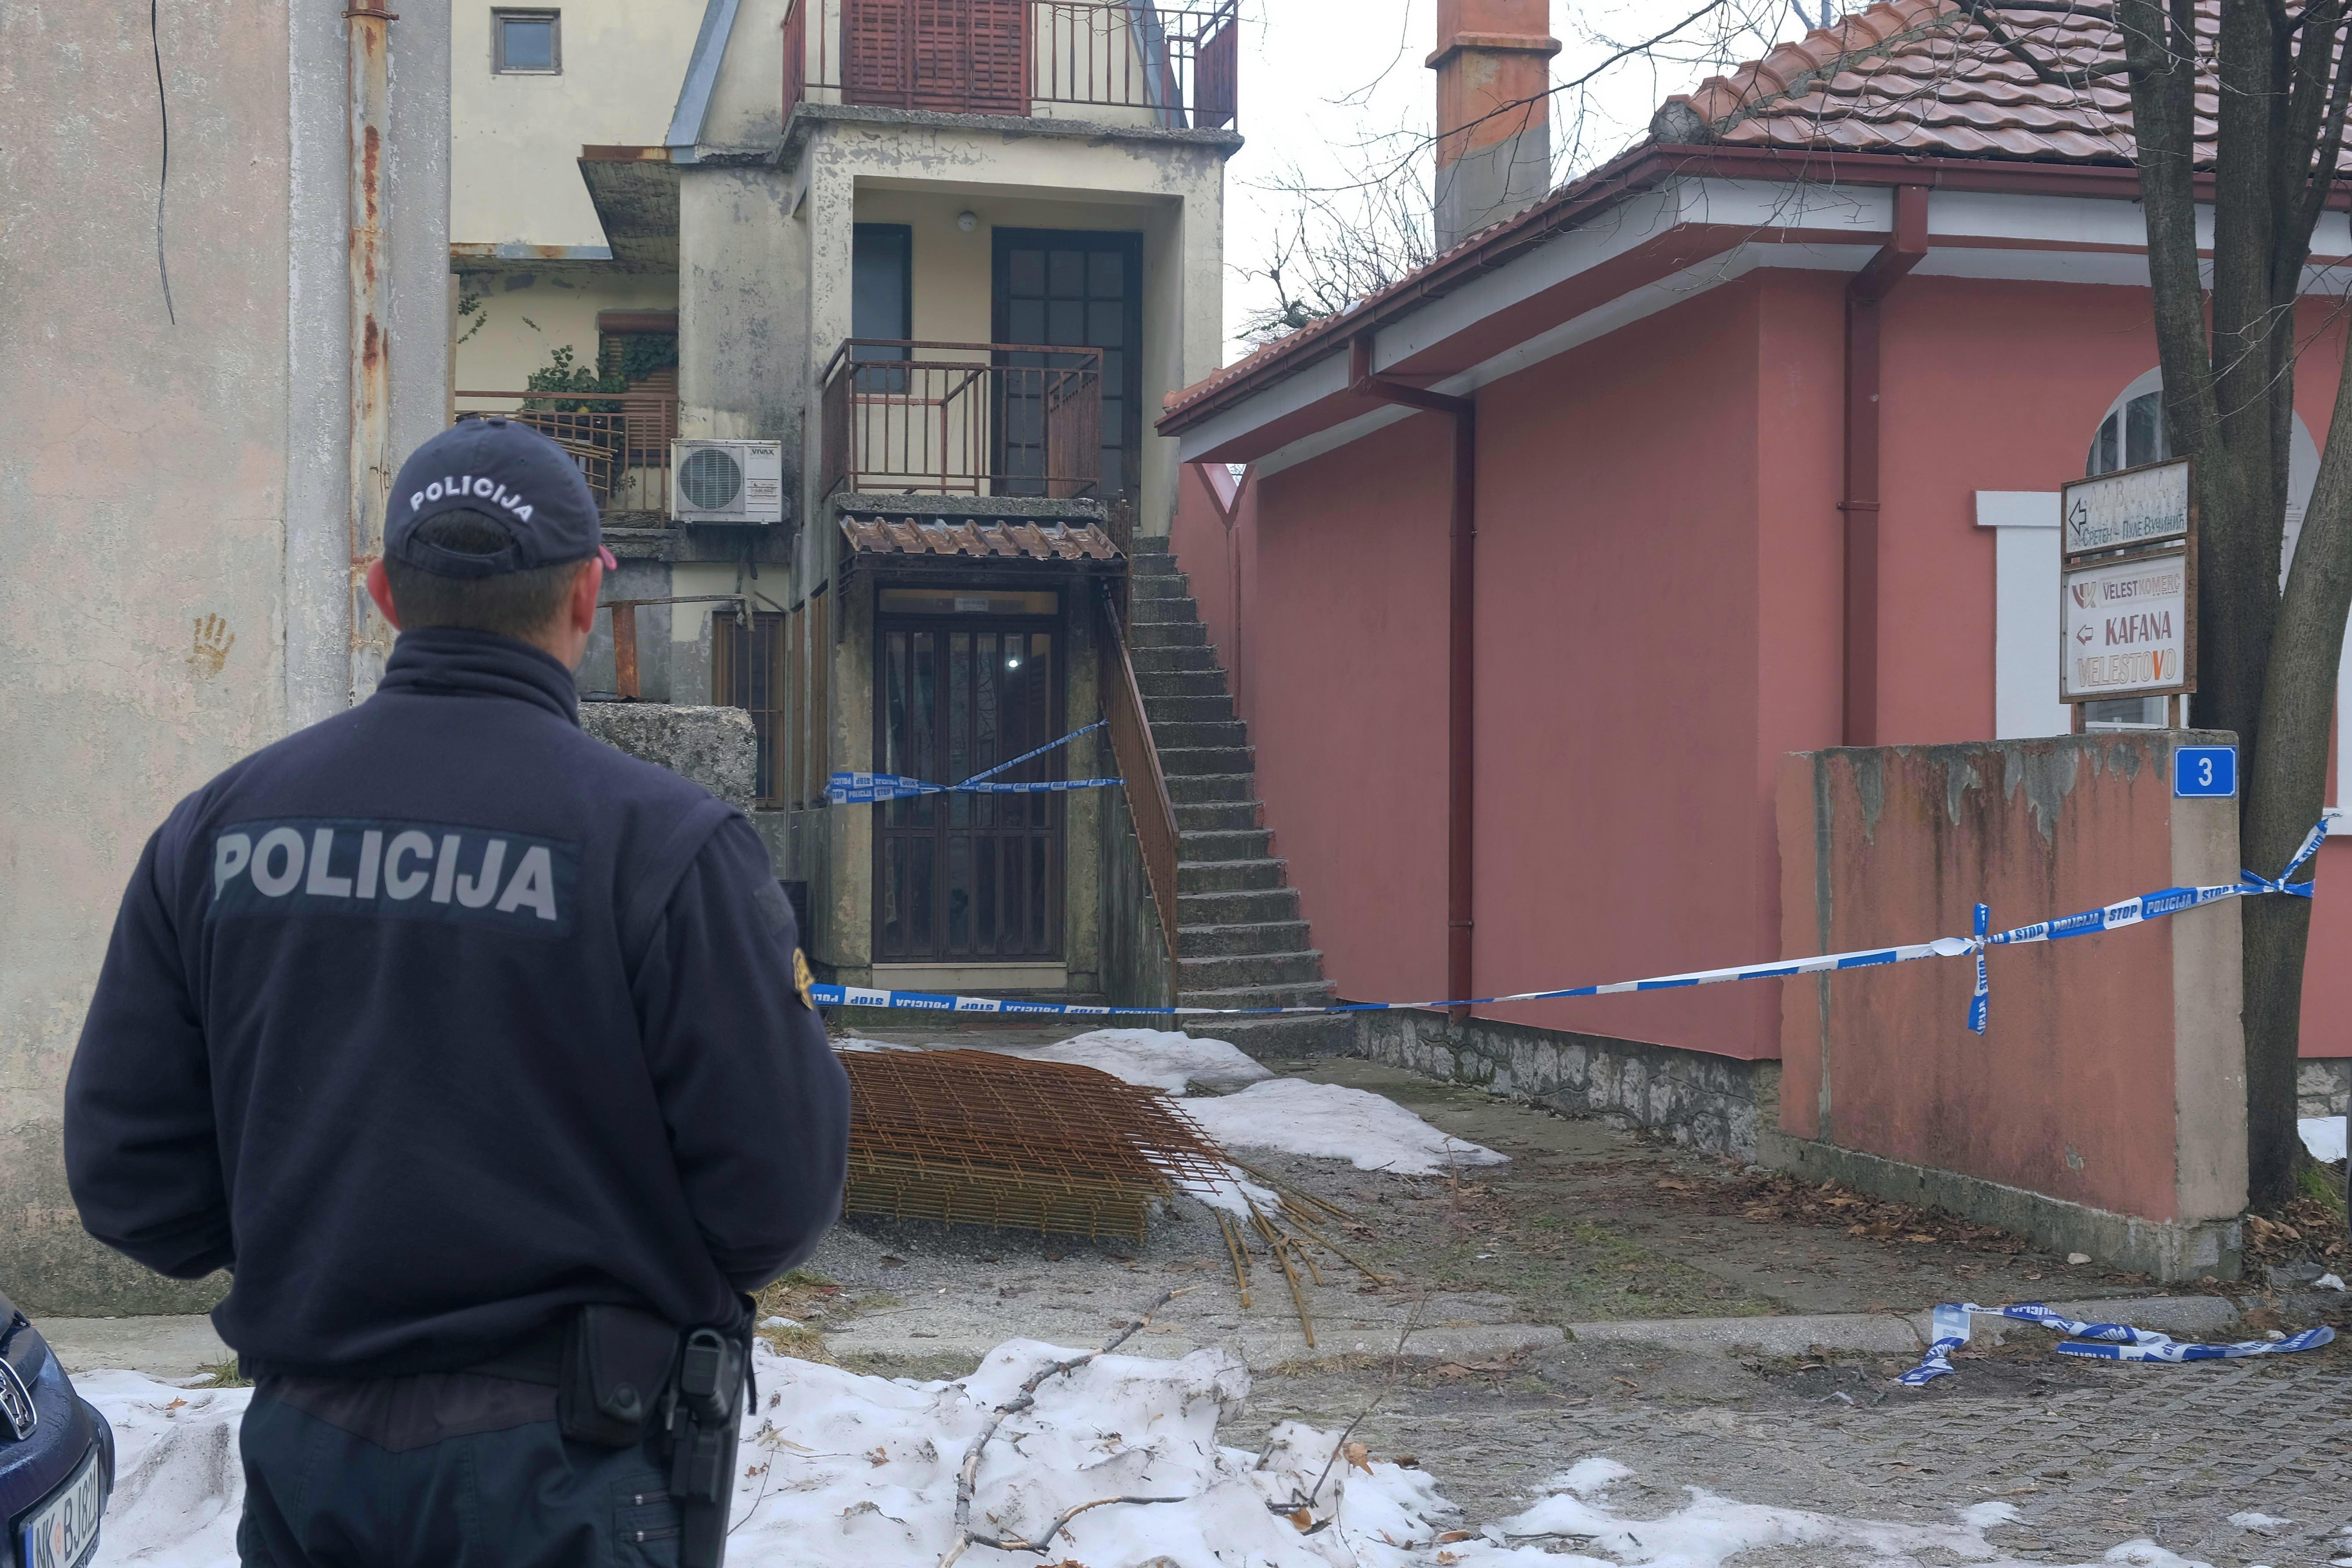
column 727, row 481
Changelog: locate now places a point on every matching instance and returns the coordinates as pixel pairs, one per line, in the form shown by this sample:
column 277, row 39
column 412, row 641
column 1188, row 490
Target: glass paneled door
column 966, row 878
column 1072, row 288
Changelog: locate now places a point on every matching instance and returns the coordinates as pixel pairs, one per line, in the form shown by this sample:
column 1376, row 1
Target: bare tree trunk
column 2266, row 664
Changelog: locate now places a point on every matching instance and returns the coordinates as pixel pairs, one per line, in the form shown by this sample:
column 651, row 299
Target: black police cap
column 504, row 471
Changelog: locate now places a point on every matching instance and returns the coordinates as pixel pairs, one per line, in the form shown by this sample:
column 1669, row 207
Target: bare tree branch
column 1027, row 1399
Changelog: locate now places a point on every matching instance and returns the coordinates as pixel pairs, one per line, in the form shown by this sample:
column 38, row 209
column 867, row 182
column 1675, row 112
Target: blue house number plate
column 2205, row 770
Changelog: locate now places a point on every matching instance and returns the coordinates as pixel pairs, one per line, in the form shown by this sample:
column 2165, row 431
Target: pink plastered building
column 1767, row 420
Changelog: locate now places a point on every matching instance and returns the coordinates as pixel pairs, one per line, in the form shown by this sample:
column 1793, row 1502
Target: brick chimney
column 1494, row 146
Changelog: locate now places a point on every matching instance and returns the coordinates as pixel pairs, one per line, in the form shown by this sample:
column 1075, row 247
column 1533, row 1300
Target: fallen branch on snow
column 968, row 1478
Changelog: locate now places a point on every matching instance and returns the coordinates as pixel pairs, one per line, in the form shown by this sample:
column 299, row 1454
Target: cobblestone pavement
column 2092, row 1457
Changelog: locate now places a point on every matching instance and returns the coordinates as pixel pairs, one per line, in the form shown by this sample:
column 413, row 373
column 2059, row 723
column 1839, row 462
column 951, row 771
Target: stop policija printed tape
column 2127, row 912
column 2105, row 1342
column 847, row 789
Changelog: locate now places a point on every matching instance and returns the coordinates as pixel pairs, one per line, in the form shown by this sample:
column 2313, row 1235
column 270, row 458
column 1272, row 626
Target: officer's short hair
column 516, row 604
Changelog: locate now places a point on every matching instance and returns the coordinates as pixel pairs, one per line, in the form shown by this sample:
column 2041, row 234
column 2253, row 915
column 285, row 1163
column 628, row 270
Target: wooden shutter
column 999, row 34
column 876, row 53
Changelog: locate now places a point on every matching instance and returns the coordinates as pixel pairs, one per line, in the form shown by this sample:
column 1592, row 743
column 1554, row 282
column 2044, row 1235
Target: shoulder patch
column 802, row 979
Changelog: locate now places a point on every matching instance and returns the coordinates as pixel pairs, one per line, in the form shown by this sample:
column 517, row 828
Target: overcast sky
column 1319, row 76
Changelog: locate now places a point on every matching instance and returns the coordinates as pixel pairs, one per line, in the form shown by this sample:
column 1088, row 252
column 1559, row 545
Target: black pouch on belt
column 616, row 1363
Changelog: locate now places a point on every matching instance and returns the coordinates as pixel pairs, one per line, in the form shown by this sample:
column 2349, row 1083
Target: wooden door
column 966, row 878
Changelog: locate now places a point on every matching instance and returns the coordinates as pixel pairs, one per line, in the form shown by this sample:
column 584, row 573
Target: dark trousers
column 444, row 1470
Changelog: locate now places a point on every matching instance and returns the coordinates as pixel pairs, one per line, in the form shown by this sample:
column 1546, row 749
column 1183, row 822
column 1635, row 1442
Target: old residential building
column 943, row 256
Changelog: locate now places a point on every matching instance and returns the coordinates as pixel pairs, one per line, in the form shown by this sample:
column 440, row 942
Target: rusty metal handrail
column 1177, row 63
column 1153, row 813
column 949, row 425
column 614, row 435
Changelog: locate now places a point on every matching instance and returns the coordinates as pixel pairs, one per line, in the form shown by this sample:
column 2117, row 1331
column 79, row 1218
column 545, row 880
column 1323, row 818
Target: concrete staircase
column 1240, row 939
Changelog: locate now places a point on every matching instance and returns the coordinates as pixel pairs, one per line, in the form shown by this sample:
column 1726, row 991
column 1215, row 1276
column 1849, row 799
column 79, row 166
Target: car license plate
column 63, row 1533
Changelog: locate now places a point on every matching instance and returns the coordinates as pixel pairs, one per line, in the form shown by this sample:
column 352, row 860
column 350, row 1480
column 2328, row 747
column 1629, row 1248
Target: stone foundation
column 2322, row 1086
column 1712, row 1103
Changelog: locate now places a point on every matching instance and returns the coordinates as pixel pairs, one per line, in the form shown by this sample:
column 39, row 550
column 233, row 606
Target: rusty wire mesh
column 974, row 1137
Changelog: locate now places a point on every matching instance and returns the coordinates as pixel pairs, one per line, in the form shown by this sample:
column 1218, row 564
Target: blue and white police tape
column 2108, row 1342
column 2127, row 911
column 846, row 789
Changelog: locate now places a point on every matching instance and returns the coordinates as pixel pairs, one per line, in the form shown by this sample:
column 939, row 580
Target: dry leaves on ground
column 2303, row 1229
column 1769, row 1198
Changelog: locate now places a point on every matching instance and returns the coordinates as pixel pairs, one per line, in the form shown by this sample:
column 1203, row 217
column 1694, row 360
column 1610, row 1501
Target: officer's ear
column 379, row 588
column 580, row 609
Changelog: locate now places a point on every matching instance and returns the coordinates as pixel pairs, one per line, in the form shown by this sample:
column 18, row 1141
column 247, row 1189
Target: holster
column 617, row 1366
column 710, row 1393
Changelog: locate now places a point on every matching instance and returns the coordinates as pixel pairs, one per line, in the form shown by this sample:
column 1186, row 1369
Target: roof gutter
column 1461, row 653
column 701, row 76
column 1864, row 293
column 1644, row 167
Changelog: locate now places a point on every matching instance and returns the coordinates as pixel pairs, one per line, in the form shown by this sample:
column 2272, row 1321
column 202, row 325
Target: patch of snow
column 2328, row 1282
column 1235, row 1194
column 840, row 1470
column 1594, row 1473
column 859, row 1042
column 1333, row 1121
column 179, row 1486
column 2260, row 1523
column 779, row 1323
column 2323, row 1136
column 1157, row 1059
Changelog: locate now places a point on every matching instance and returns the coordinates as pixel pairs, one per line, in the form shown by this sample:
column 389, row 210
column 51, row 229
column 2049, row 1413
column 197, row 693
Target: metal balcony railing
column 621, row 440
column 1170, row 66
column 976, row 419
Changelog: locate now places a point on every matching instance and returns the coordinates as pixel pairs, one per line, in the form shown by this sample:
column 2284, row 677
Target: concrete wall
column 2104, row 1108
column 712, row 746
column 1617, row 597
column 172, row 493
column 522, row 314
column 517, row 138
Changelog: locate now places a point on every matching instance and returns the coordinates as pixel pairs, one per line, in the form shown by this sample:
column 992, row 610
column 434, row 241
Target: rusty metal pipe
column 1460, row 656
column 368, row 53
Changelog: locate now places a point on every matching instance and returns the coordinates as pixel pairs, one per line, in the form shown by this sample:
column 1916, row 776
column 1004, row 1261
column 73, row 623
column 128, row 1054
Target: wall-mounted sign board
column 2205, row 772
column 2130, row 508
column 2130, row 626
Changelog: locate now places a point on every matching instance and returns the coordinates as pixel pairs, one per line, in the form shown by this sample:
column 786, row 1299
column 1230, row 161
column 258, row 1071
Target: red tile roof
column 1921, row 76
column 1011, row 541
column 1914, row 78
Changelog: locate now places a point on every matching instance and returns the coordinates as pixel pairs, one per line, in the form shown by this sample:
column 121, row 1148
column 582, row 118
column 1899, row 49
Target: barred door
column 966, row 878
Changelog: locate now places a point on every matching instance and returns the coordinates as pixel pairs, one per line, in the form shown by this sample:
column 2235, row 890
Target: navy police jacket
column 440, row 1017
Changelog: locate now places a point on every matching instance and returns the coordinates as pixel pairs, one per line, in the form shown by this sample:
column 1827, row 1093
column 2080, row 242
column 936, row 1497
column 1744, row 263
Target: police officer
column 481, row 1054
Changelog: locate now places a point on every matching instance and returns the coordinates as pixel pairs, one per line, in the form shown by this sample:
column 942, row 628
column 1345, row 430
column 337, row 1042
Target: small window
column 526, row 42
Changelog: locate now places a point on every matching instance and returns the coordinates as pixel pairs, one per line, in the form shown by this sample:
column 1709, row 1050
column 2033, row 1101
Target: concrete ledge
column 892, row 504
column 1260, row 1346
column 174, row 1346
column 2168, row 1249
column 1713, row 1103
column 1900, row 1333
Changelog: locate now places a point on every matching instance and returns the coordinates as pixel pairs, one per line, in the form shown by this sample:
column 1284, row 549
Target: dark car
column 57, row 1454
